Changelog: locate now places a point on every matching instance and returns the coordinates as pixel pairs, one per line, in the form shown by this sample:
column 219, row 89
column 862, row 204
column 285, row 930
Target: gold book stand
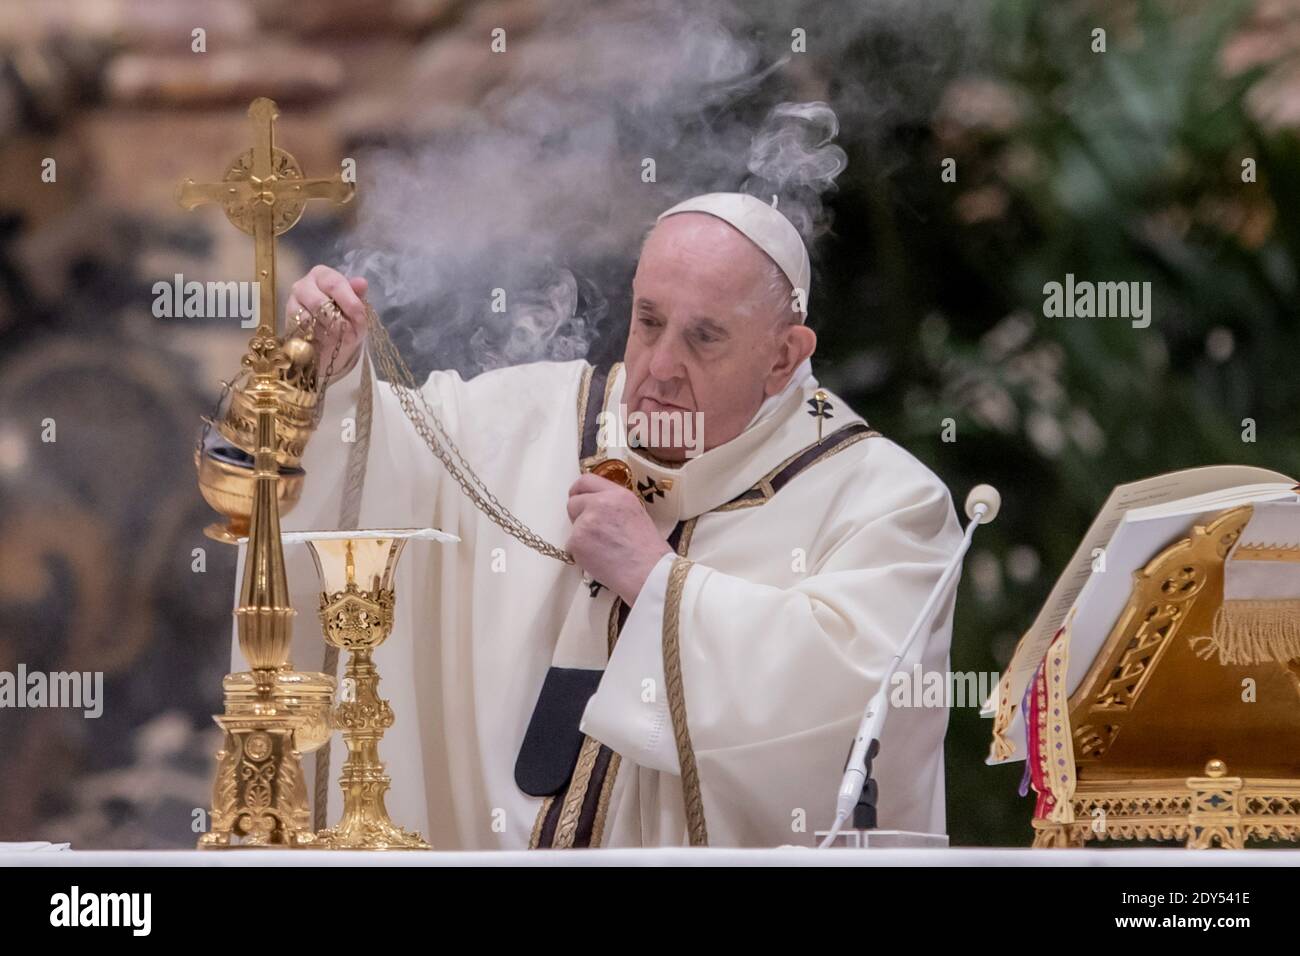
column 1171, row 746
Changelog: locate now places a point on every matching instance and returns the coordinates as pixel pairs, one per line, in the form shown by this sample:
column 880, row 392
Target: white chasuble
column 534, row 709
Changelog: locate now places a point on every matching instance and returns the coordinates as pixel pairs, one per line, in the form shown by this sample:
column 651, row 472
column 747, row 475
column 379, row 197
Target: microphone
column 982, row 506
column 983, row 503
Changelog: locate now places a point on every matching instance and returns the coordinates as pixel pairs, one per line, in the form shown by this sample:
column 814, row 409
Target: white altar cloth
column 673, row 856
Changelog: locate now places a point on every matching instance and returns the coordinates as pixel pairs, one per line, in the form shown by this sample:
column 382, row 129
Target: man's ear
column 797, row 342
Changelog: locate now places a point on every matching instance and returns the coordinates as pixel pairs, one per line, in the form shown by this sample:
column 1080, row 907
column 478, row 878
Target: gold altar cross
column 263, row 194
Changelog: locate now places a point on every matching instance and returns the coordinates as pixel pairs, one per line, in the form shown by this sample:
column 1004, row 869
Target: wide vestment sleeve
column 751, row 693
column 464, row 660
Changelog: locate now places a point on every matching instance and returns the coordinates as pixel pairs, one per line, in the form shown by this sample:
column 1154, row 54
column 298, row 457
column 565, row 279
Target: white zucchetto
column 763, row 225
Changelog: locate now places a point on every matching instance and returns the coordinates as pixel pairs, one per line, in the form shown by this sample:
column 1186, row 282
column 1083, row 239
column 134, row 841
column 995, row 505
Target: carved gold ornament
column 1158, row 729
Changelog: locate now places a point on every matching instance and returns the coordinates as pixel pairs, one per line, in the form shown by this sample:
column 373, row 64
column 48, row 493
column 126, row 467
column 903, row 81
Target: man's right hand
column 315, row 289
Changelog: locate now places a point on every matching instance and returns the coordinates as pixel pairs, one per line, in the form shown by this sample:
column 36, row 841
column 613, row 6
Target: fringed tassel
column 1252, row 632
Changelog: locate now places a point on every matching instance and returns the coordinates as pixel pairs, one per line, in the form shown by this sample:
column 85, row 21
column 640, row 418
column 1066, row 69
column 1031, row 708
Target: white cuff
column 629, row 711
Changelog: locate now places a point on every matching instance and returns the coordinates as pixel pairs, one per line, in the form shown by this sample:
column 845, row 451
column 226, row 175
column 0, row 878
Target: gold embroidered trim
column 851, row 440
column 604, row 404
column 355, row 474
column 615, row 759
column 611, row 769
column 1057, row 738
column 688, row 529
column 691, row 796
column 567, row 826
column 611, row 632
column 602, row 804
column 584, row 398
column 584, row 391
column 536, row 836
column 764, row 484
column 743, row 503
column 1003, row 747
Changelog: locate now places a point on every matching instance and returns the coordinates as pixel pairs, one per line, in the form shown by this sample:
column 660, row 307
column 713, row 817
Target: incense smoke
column 512, row 236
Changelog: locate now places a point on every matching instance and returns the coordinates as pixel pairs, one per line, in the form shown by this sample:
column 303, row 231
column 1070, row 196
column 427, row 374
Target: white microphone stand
column 982, row 506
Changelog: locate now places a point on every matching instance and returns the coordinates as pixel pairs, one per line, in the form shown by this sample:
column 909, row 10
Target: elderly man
column 698, row 676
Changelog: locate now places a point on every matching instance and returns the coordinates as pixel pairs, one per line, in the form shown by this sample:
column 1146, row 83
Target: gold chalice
column 356, row 613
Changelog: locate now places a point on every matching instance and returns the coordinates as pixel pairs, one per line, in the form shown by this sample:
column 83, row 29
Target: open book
column 1137, row 522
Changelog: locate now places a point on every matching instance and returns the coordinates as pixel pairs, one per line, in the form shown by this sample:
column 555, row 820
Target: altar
column 957, row 857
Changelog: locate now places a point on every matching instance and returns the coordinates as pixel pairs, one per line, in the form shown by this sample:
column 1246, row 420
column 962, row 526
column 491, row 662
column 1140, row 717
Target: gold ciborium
column 356, row 614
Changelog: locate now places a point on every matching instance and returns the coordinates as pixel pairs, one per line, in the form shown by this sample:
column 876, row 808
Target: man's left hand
column 613, row 538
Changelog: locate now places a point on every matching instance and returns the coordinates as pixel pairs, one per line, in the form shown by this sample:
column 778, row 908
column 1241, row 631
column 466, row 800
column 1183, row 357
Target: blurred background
column 1169, row 158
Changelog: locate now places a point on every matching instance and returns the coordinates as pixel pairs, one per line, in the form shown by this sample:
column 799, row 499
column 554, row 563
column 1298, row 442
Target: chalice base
column 384, row 835
column 366, row 825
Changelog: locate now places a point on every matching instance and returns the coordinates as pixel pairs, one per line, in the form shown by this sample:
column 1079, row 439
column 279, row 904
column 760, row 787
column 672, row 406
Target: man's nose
column 666, row 359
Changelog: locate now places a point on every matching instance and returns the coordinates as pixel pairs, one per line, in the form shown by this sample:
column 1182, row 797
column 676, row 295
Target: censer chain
column 430, row 428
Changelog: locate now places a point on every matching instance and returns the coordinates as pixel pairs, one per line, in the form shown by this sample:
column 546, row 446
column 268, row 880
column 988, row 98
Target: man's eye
column 650, row 323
